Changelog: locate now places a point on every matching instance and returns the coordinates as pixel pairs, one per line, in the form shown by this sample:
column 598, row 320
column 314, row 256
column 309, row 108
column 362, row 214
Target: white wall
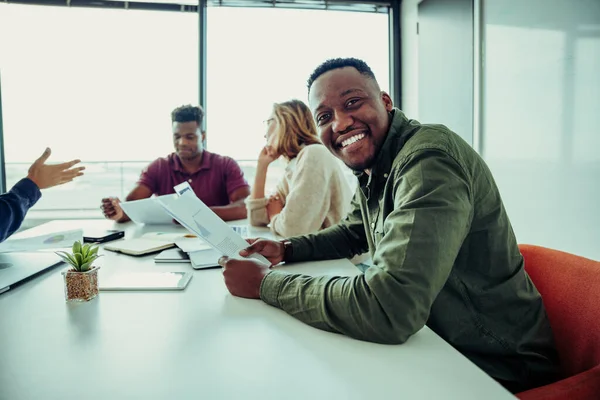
column 541, row 114
column 541, row 110
column 446, row 65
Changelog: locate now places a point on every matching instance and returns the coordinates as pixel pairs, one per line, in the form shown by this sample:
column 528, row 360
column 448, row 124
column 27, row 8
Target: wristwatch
column 287, row 249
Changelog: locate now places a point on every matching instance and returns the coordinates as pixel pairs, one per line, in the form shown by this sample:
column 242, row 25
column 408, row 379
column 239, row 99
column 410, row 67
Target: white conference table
column 204, row 343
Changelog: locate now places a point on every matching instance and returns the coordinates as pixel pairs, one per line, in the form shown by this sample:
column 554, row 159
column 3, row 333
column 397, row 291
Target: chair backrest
column 570, row 287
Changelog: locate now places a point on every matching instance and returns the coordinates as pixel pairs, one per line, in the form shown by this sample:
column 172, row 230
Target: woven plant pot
column 81, row 286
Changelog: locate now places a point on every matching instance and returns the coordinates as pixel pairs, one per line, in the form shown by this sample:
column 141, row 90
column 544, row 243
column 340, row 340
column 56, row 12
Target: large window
column 94, row 84
column 99, row 84
column 260, row 56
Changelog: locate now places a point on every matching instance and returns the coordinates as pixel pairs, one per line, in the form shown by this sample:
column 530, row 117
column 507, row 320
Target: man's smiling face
column 352, row 115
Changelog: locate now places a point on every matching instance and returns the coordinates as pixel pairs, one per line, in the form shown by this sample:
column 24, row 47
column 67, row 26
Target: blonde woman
column 313, row 193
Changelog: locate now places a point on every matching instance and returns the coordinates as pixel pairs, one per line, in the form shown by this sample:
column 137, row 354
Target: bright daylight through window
column 100, row 84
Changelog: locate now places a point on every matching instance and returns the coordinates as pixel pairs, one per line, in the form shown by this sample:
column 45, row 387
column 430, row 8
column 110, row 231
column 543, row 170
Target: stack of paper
column 193, row 251
column 194, row 215
column 200, row 254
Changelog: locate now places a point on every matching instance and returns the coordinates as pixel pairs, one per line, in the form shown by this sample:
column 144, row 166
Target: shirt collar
column 204, row 164
column 398, row 133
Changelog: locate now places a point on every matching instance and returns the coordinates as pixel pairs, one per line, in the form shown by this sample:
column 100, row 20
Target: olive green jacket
column 444, row 255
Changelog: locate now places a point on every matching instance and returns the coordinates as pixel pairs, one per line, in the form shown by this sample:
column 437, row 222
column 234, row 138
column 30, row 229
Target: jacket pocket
column 488, row 334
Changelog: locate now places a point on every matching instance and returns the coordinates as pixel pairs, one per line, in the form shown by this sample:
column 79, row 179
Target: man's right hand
column 46, row 176
column 111, row 208
column 272, row 250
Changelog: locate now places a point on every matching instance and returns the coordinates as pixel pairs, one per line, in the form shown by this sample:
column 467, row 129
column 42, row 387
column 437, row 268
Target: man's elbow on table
column 391, row 333
column 392, row 323
column 386, row 311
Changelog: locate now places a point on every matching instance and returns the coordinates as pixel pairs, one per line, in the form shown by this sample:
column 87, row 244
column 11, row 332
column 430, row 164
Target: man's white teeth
column 353, row 139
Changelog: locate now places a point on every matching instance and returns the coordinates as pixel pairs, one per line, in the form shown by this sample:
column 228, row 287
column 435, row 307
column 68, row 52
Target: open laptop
column 16, row 268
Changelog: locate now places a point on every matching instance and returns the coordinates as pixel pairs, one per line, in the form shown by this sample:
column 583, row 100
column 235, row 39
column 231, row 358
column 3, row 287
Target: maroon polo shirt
column 217, row 177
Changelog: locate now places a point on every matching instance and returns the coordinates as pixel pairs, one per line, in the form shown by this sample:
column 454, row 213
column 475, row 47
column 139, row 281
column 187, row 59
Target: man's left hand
column 243, row 277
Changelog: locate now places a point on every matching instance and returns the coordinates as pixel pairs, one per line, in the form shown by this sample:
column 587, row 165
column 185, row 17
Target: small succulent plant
column 81, row 258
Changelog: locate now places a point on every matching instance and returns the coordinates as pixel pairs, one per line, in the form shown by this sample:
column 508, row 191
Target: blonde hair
column 296, row 127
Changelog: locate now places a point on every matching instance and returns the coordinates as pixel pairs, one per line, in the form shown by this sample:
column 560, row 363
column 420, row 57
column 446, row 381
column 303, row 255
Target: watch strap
column 288, row 250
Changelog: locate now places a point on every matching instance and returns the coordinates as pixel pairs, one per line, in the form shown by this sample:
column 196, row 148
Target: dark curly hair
column 336, row 63
column 188, row 113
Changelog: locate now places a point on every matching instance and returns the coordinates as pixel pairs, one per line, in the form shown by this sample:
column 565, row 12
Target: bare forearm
column 258, row 189
column 231, row 212
column 125, row 218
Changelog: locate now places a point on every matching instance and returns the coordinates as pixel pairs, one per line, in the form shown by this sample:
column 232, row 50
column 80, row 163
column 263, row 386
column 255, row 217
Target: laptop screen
column 17, row 267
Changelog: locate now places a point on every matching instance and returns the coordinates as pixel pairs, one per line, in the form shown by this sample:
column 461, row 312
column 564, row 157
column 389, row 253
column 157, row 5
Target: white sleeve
column 308, row 202
column 257, row 211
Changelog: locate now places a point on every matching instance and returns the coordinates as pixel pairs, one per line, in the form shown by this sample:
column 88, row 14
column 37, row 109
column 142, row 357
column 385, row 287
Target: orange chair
column 570, row 287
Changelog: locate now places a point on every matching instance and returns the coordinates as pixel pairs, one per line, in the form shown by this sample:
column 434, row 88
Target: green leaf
column 79, row 259
column 94, row 251
column 64, row 257
column 85, row 250
column 76, row 247
column 67, row 257
column 86, row 266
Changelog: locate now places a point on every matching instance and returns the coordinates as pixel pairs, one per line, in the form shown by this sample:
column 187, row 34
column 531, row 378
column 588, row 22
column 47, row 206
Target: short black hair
column 188, row 113
column 336, row 63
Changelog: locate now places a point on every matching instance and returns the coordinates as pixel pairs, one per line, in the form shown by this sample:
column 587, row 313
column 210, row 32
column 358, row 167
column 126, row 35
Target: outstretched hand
column 46, row 176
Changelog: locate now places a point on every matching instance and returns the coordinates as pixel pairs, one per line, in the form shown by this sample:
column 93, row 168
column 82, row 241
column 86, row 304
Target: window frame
column 391, row 7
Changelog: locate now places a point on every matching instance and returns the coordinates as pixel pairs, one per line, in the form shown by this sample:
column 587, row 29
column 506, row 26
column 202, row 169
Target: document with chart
column 43, row 242
column 196, row 217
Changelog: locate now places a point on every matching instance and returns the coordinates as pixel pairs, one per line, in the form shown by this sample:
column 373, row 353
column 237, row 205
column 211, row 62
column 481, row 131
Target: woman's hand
column 267, row 156
column 274, row 206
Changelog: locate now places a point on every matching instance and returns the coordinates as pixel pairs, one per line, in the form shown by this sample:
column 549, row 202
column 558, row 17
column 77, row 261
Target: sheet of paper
column 204, row 258
column 147, row 211
column 190, row 245
column 194, row 215
column 170, row 237
column 50, row 241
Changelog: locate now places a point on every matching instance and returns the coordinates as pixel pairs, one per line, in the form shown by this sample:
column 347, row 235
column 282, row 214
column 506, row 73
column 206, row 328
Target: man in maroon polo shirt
column 217, row 180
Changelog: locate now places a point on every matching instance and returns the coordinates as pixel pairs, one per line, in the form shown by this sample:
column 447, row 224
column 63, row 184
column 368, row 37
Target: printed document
column 194, row 215
column 147, row 211
column 49, row 241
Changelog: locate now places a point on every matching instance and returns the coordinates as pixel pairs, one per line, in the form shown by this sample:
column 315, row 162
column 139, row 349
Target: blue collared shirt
column 15, row 204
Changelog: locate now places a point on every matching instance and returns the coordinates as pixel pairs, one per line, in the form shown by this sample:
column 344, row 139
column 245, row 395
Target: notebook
column 138, row 247
column 172, row 256
column 146, row 244
column 202, row 259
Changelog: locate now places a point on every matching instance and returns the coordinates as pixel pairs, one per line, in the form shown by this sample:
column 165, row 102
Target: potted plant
column 81, row 280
